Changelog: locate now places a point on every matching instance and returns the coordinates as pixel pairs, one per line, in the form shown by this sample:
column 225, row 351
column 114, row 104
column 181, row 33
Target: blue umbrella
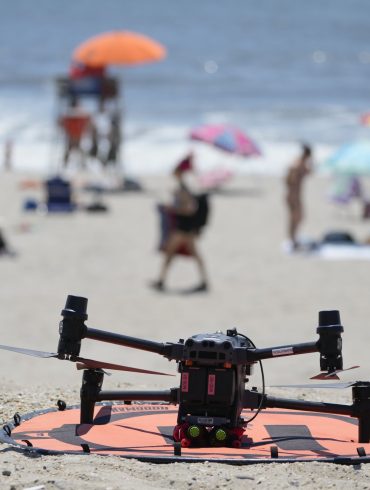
column 350, row 159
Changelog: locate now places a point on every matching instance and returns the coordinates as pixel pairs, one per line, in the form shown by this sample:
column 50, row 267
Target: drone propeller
column 82, row 363
column 91, row 364
column 29, row 352
column 332, row 374
column 338, row 386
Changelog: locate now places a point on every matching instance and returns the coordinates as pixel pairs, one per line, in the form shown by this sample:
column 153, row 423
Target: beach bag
column 201, row 215
column 166, row 225
column 167, row 222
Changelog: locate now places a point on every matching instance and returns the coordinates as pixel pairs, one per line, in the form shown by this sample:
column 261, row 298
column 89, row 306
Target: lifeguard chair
column 76, row 121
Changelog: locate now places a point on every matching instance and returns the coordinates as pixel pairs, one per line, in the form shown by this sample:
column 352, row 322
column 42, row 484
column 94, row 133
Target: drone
column 214, row 370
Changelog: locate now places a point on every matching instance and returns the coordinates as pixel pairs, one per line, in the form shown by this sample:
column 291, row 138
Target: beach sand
column 272, row 297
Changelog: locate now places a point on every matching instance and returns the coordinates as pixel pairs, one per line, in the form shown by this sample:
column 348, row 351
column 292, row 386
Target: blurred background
column 283, row 72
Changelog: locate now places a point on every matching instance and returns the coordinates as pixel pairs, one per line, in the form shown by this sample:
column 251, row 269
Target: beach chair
column 345, row 188
column 59, row 195
column 347, row 194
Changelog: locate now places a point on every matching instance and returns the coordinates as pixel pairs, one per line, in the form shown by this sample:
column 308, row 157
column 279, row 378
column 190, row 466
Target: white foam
column 156, row 153
column 147, row 148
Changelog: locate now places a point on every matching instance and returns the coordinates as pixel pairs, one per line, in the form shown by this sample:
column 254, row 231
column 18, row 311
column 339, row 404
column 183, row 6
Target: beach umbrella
column 118, row 48
column 350, row 159
column 124, row 48
column 227, row 138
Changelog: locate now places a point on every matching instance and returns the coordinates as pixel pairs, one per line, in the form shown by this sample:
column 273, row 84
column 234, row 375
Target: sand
column 272, row 297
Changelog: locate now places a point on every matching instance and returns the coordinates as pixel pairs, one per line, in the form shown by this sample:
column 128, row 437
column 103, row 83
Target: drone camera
column 72, row 328
column 330, row 341
column 213, row 349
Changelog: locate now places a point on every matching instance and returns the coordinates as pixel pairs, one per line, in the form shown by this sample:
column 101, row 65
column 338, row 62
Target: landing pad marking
column 144, row 431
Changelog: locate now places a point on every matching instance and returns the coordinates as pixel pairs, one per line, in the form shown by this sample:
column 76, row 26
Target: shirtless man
column 294, row 180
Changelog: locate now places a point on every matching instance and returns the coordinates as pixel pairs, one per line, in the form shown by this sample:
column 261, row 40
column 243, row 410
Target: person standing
column 8, row 153
column 294, row 182
column 75, row 124
column 185, row 230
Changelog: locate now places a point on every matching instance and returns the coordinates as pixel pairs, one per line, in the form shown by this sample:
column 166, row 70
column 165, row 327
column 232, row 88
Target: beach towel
column 335, row 245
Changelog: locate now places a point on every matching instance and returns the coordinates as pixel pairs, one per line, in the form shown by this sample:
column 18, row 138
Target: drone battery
column 193, row 381
column 209, row 386
column 220, row 386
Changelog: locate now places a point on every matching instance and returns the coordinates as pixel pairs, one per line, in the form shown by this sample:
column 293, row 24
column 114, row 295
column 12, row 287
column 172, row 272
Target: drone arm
column 253, row 399
column 329, row 344
column 169, row 350
column 169, row 396
column 307, row 406
column 125, row 340
column 91, row 392
column 72, row 330
column 359, row 409
column 282, row 351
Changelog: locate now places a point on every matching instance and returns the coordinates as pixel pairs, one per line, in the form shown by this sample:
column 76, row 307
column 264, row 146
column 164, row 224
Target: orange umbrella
column 118, row 48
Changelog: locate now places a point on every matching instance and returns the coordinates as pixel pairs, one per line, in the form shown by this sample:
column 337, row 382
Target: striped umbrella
column 227, row 138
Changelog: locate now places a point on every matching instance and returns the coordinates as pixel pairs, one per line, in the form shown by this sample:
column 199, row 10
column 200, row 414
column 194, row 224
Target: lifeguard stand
column 93, row 85
column 75, row 117
column 90, row 86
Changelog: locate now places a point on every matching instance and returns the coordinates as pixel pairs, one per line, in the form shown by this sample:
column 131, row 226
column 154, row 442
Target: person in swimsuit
column 294, row 181
column 183, row 235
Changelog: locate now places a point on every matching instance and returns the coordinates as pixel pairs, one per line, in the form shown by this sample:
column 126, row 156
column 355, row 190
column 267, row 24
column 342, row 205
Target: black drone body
column 212, row 382
column 214, row 370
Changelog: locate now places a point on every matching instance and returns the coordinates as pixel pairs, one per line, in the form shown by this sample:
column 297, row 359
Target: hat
column 185, row 164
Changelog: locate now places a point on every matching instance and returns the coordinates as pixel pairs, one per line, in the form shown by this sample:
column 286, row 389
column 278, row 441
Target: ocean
column 284, row 71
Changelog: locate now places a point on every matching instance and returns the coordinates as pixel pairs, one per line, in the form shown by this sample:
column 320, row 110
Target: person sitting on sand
column 184, row 233
column 294, row 180
column 4, row 247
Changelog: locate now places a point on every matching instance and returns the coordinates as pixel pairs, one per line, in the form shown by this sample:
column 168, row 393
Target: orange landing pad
column 144, row 432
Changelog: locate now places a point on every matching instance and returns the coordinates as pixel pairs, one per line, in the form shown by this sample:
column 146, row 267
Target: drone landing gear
column 92, row 382
column 189, row 435
column 359, row 409
column 91, row 392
